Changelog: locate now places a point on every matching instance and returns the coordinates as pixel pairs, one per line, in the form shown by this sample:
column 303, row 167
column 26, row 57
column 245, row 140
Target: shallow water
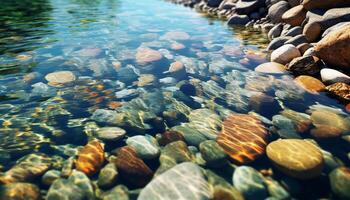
column 96, row 40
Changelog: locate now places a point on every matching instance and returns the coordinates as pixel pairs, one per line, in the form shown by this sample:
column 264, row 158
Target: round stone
column 212, row 153
column 270, row 68
column 18, row 191
column 146, row 146
column 110, row 133
column 295, row 157
column 340, row 182
column 310, row 84
column 146, row 55
column 285, row 54
column 60, row 77
column 333, row 76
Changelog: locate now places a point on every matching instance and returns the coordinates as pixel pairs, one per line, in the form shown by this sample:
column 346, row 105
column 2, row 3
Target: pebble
column 90, row 158
column 310, row 84
column 285, row 54
column 184, row 181
column 331, row 76
column 146, row 55
column 340, row 182
column 146, row 146
column 107, row 176
column 341, row 90
column 19, row 191
column 212, row 153
column 60, row 77
column 297, row 158
column 110, row 133
column 270, row 68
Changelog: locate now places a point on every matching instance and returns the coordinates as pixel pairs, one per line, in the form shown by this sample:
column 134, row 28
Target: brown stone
column 264, row 104
column 326, row 4
column 342, row 90
column 310, row 84
column 325, row 132
column 146, row 55
column 169, row 137
column 312, row 31
column 19, row 191
column 295, row 157
column 347, row 107
column 308, row 65
column 334, row 48
column 270, row 68
column 132, row 169
column 90, row 158
column 243, row 138
column 294, row 16
column 303, row 47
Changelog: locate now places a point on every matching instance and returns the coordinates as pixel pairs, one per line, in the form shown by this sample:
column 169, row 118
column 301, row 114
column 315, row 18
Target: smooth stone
column 270, row 68
column 238, row 20
column 243, row 137
column 176, row 35
column 285, row 54
column 334, row 28
column 315, row 4
column 90, row 158
column 331, row 119
column 275, row 31
column 212, row 153
column 60, row 77
column 294, row 16
column 277, row 42
column 128, row 74
column 341, row 90
column 340, row 182
column 111, row 133
column 119, row 192
column 297, row 40
column 107, row 176
column 146, row 146
column 297, row 30
column 330, row 76
column 309, row 52
column 334, row 16
column 276, row 11
column 323, row 132
column 336, row 41
column 303, row 47
column 285, row 127
column 249, row 182
column 276, row 190
column 147, row 55
column 19, row 191
column 50, row 176
column 312, row 31
column 297, row 158
column 184, row 181
column 247, row 7
column 308, row 65
column 169, row 137
column 264, row 104
column 310, row 84
column 146, row 80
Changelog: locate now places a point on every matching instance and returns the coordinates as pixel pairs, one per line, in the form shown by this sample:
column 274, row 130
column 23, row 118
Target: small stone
column 294, row 16
column 146, row 55
column 340, row 182
column 264, row 104
column 308, row 65
column 90, row 158
column 238, row 20
column 342, row 90
column 297, row 30
column 303, row 47
column 19, row 191
column 146, row 146
column 297, row 40
column 310, row 84
column 333, row 76
column 107, row 176
column 295, row 157
column 321, row 118
column 277, row 42
column 177, row 46
column 184, row 181
column 275, row 32
column 111, row 133
column 146, row 79
column 271, row 68
column 249, row 182
column 285, row 54
column 60, row 77
column 212, row 153
column 50, row 176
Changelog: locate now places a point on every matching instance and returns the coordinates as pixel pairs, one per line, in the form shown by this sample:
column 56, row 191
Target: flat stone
column 310, row 84
column 270, row 68
column 333, row 76
column 19, row 191
column 297, row 158
column 60, row 77
column 146, row 146
column 146, row 55
column 295, row 16
column 111, row 133
column 285, row 54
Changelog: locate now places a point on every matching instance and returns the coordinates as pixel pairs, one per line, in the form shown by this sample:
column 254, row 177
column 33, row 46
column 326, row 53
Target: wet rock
column 50, row 176
column 126, row 94
column 294, row 16
column 277, row 42
column 306, row 65
column 147, row 55
column 76, row 187
column 322, row 132
column 19, row 191
column 304, row 160
column 340, row 182
column 146, row 80
column 177, row 69
column 301, row 121
column 264, row 104
column 177, row 46
column 322, row 117
column 119, row 192
column 297, row 40
column 212, row 153
column 132, row 169
column 310, row 84
column 41, row 89
column 246, row 7
column 270, row 68
column 238, row 20
column 249, row 182
column 243, row 138
column 128, row 74
column 90, row 158
column 276, row 190
column 314, row 4
column 342, row 90
column 169, row 185
column 169, row 137
column 67, row 168
column 146, row 146
column 285, row 54
column 176, row 35
column 297, row 30
column 110, row 133
column 277, row 10
column 60, row 77
column 312, row 31
column 107, row 176
column 333, row 76
column 26, row 169
column 275, row 32
column 336, row 41
column 285, row 127
column 173, row 154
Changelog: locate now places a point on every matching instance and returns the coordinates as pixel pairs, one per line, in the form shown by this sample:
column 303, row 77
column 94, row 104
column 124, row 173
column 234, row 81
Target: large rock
column 334, row 16
column 243, row 138
column 340, row 182
column 333, row 76
column 295, row 157
column 336, row 41
column 184, row 181
column 285, row 54
column 250, row 183
column 326, row 4
column 244, row 7
column 294, row 16
column 277, row 10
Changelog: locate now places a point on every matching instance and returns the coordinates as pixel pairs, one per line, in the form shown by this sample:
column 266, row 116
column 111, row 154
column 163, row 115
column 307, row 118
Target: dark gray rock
column 238, row 20
column 297, row 30
column 245, row 7
column 277, row 10
column 277, row 42
column 296, row 40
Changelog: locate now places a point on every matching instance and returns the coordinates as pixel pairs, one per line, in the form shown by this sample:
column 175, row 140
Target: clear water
column 94, row 39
